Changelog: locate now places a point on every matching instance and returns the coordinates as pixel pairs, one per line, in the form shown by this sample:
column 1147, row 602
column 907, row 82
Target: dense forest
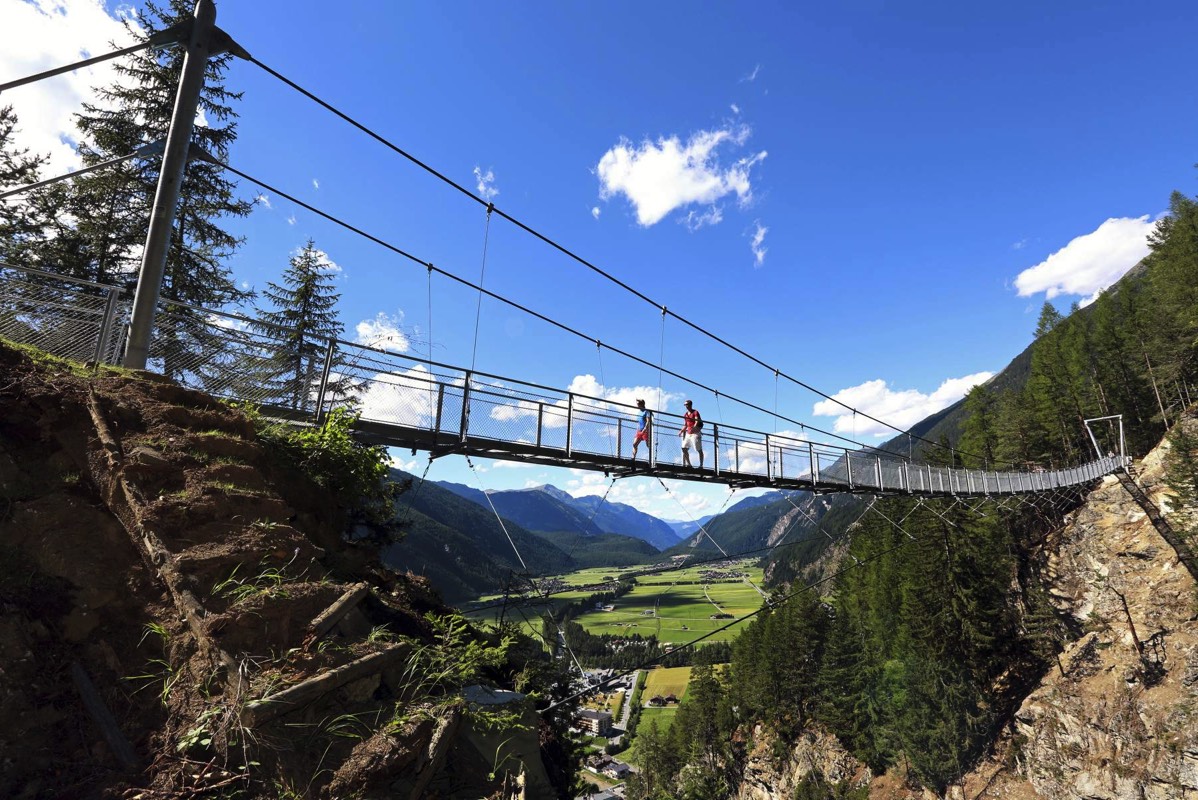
column 936, row 623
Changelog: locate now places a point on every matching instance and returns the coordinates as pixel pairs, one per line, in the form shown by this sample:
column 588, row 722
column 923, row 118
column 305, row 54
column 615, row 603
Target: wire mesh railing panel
column 54, row 315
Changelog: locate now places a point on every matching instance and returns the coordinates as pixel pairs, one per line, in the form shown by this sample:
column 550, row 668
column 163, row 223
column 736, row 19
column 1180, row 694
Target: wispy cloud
column 263, row 200
column 752, row 76
column 486, row 183
column 384, row 331
column 659, row 177
column 901, row 408
column 595, row 212
column 291, row 219
column 735, row 108
column 1089, row 263
column 36, row 36
column 315, row 183
column 1019, row 245
column 712, row 215
column 757, row 243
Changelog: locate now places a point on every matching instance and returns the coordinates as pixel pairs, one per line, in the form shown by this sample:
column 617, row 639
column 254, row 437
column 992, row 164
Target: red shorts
column 641, row 436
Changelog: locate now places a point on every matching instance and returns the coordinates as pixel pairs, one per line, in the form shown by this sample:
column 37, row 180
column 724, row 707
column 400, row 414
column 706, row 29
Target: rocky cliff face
column 1118, row 719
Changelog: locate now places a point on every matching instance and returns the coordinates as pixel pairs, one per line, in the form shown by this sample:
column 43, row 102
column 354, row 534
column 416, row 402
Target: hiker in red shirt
column 692, row 424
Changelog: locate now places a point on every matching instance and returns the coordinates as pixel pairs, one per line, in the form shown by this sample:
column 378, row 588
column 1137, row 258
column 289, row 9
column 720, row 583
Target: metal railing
column 406, row 401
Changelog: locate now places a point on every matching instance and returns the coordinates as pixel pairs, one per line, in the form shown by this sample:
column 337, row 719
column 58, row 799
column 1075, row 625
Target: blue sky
column 875, row 197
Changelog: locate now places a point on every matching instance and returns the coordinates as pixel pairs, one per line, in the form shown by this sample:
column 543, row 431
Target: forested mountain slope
column 942, row 620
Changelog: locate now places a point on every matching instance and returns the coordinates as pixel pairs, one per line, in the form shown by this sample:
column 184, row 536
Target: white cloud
column 757, row 243
column 554, row 415
column 384, row 332
column 395, row 460
column 228, row 323
column 322, row 259
column 899, row 408
column 407, row 397
column 1019, row 245
column 752, row 76
column 595, row 212
column 263, row 200
column 315, row 184
column 291, row 219
column 659, row 177
column 1089, row 263
column 486, row 183
column 735, row 108
column 695, row 220
column 40, row 34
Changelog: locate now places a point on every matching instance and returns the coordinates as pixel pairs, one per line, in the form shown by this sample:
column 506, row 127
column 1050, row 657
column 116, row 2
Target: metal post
column 619, row 435
column 848, row 467
column 440, row 405
column 969, row 481
column 540, row 422
column 324, row 379
column 170, row 180
column 768, row 465
column 465, row 424
column 715, row 447
column 106, row 326
column 811, row 462
column 878, row 471
column 569, row 424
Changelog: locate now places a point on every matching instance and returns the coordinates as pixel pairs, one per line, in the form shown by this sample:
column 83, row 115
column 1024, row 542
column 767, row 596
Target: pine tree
column 20, row 222
column 979, row 439
column 103, row 216
column 298, row 327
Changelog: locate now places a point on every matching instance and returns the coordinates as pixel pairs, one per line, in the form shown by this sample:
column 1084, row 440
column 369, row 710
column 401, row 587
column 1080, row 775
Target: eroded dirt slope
column 160, row 575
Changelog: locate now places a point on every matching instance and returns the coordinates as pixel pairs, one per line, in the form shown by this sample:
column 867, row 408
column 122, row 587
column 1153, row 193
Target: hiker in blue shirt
column 643, row 429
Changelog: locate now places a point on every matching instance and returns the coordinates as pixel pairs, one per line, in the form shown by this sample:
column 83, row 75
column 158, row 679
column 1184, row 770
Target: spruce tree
column 298, row 327
column 103, row 216
column 20, row 223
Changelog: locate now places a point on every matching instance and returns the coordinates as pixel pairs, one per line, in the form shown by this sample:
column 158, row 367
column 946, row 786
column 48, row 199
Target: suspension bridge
column 407, row 402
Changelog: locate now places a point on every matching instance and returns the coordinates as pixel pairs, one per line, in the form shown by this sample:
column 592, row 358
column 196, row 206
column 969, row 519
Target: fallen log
column 301, row 694
column 328, row 618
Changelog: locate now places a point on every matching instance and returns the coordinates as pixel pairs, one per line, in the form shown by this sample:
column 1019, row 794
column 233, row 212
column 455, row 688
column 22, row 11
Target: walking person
column 644, row 428
column 692, row 425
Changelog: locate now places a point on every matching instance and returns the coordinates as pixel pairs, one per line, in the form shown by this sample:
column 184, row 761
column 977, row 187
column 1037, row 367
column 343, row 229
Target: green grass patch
column 662, row 681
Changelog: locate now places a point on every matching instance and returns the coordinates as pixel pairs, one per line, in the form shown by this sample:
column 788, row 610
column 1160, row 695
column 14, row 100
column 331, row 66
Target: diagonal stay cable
column 511, row 541
column 526, row 310
column 167, row 36
column 140, row 152
column 570, row 253
column 706, row 533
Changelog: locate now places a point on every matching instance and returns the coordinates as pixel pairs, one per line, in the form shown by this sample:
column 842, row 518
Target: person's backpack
column 698, row 425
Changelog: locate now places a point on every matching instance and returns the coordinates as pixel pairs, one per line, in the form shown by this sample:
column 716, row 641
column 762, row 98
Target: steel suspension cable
column 524, row 309
column 482, row 274
column 570, row 253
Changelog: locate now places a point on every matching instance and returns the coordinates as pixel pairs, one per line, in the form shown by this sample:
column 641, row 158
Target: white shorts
column 692, row 440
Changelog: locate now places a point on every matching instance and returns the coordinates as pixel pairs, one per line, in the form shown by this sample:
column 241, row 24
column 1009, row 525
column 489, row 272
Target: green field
column 673, row 606
column 673, row 610
column 662, row 681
